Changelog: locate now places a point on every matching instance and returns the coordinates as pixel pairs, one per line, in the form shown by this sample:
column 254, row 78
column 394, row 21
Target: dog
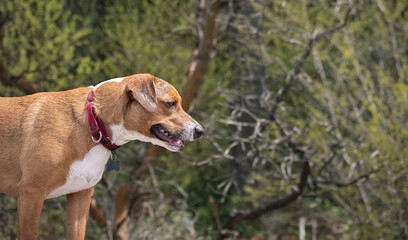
column 58, row 143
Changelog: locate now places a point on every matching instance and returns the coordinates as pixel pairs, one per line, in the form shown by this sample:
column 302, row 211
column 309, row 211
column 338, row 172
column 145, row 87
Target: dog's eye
column 172, row 104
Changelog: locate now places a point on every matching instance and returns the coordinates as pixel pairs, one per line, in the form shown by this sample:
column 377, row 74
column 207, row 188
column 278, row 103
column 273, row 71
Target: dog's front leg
column 30, row 202
column 77, row 212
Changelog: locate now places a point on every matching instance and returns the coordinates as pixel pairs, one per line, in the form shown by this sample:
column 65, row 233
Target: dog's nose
column 198, row 132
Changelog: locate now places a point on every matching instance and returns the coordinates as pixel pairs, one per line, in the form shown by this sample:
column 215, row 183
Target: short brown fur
column 43, row 134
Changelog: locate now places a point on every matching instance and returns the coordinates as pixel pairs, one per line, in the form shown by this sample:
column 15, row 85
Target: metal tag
column 112, row 163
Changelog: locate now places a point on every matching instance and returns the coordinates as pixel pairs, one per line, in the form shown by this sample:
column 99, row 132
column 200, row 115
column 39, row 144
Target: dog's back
column 24, row 121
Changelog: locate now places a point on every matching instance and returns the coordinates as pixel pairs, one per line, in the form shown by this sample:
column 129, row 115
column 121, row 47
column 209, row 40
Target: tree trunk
column 206, row 25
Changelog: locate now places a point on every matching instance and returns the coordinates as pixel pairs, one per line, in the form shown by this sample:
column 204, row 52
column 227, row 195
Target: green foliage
column 137, row 37
column 353, row 107
column 41, row 43
column 166, row 223
column 347, row 107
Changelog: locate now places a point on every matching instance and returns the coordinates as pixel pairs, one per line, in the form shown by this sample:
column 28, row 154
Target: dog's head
column 153, row 113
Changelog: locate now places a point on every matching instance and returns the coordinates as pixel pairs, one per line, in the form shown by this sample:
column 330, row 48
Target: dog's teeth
column 162, row 130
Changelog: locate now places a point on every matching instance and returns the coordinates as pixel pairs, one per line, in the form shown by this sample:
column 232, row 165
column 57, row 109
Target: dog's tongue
column 177, row 143
column 168, row 137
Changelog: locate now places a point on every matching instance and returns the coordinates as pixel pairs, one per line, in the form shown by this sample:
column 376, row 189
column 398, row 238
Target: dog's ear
column 142, row 89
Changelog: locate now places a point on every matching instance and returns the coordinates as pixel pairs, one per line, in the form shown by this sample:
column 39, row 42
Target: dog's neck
column 110, row 101
column 111, row 110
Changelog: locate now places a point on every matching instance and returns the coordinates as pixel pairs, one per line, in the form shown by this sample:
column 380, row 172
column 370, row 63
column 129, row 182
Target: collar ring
column 100, row 137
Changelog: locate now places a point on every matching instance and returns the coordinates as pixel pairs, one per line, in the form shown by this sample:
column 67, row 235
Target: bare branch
column 291, row 77
column 279, row 203
column 182, row 14
column 286, row 200
column 97, row 214
column 216, row 218
column 346, row 184
column 297, row 147
column 326, row 163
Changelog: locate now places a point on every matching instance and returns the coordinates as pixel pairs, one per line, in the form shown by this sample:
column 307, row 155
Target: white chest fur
column 84, row 173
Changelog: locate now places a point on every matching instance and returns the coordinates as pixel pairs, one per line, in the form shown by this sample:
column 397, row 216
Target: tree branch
column 291, row 77
column 284, row 201
column 216, row 218
column 97, row 214
column 279, row 203
column 346, row 184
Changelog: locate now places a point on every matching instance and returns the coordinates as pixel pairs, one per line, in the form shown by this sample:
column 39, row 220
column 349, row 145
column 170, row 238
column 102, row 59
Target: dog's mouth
column 166, row 136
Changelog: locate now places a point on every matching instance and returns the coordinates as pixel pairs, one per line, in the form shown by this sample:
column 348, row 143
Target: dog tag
column 113, row 165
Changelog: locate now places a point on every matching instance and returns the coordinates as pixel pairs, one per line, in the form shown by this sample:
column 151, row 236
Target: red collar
column 98, row 130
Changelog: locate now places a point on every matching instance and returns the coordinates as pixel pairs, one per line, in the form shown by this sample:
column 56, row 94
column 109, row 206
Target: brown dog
column 56, row 144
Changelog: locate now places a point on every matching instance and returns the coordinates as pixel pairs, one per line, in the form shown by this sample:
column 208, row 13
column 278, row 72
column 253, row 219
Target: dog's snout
column 198, row 132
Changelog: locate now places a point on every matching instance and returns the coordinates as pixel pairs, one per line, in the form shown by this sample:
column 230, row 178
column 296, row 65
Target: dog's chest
column 85, row 173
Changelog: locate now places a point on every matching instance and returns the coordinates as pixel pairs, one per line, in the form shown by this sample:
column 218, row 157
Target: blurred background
column 304, row 105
